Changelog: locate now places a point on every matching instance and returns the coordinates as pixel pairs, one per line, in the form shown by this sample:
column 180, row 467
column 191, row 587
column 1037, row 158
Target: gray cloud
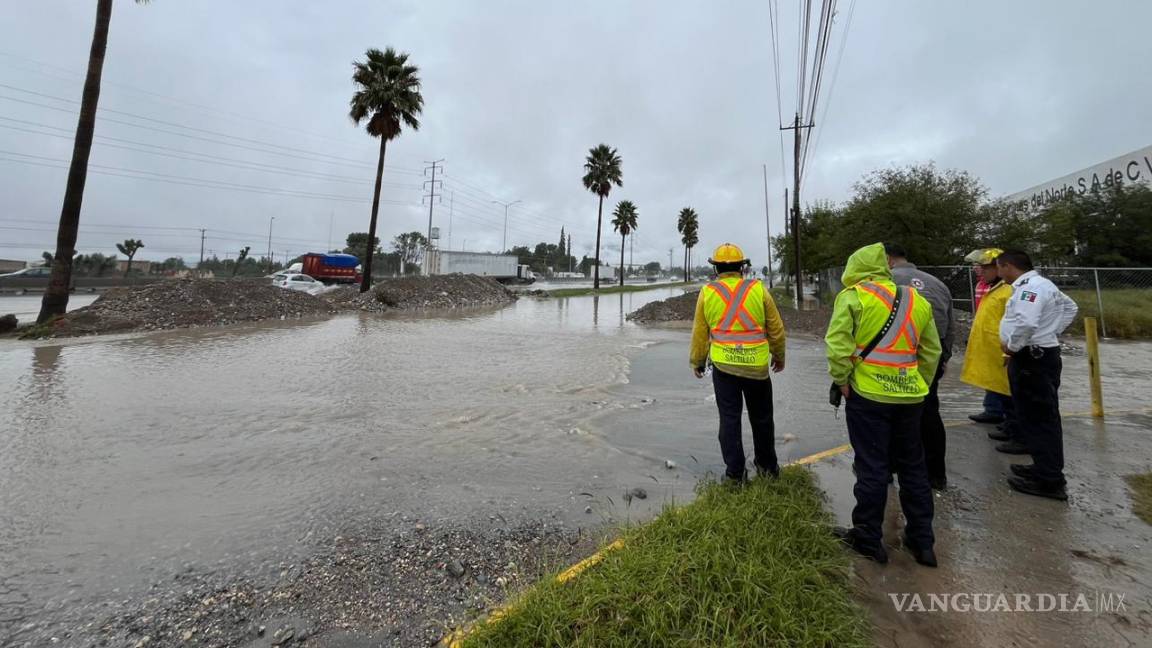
column 517, row 92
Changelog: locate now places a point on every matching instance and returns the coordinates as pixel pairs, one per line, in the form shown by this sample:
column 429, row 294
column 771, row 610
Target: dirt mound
column 682, row 308
column 439, row 292
column 185, row 303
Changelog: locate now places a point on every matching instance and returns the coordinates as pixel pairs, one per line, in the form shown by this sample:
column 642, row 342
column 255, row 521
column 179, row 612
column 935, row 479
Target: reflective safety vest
column 734, row 308
column 890, row 369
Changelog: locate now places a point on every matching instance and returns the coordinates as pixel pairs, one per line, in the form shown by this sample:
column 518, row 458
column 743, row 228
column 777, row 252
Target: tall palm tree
column 684, row 223
column 55, row 300
column 624, row 221
column 692, row 237
column 601, row 171
column 387, row 96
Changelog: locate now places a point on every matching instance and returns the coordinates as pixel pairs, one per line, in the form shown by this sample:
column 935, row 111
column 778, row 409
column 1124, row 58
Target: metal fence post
column 1100, row 303
column 972, row 290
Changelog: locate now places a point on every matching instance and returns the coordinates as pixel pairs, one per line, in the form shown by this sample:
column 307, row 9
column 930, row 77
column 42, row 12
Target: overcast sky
column 516, row 93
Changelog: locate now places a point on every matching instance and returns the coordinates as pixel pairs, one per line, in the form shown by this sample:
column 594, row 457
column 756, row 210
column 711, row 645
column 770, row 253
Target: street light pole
column 270, row 221
column 504, row 245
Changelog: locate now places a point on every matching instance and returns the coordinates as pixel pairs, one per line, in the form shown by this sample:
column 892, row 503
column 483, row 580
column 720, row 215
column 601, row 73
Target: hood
column 869, row 262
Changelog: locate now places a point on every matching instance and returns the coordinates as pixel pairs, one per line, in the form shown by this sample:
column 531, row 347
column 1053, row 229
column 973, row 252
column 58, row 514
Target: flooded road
column 125, row 461
column 27, row 307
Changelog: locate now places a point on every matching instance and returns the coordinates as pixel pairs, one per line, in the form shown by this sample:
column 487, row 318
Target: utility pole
column 451, row 211
column 787, row 235
column 571, row 257
column 203, row 235
column 270, row 221
column 669, row 262
column 768, row 226
column 504, row 245
column 796, row 265
column 431, row 196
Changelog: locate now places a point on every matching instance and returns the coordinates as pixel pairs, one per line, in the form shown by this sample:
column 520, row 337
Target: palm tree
column 129, row 248
column 387, row 96
column 55, row 301
column 624, row 221
column 601, row 171
column 686, row 220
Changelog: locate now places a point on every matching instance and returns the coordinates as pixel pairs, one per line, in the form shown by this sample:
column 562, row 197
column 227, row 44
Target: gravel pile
column 407, row 589
column 186, row 303
column 438, row 292
column 682, row 308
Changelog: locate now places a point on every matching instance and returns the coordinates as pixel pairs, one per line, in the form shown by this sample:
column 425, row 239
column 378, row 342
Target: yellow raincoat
column 984, row 361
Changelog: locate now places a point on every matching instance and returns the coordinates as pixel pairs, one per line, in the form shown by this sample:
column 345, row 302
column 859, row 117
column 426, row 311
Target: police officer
column 738, row 328
column 1037, row 313
column 882, row 349
column 932, row 432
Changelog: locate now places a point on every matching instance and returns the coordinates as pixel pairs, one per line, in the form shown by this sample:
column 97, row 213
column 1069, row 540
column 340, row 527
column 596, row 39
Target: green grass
column 611, row 290
column 752, row 566
column 1141, row 486
column 1127, row 313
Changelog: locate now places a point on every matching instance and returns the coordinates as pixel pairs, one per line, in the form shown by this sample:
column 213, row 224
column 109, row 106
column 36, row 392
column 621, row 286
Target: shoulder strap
column 887, row 325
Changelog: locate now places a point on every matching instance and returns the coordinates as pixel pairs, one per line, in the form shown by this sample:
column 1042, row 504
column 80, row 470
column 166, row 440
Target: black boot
column 923, row 555
column 848, row 537
column 1012, row 447
column 1022, row 470
column 1031, row 486
column 999, row 435
column 985, row 417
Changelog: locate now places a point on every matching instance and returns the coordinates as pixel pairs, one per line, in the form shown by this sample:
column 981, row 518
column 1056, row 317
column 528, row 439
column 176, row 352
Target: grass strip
column 1127, row 312
column 1141, row 486
column 612, row 290
column 750, row 566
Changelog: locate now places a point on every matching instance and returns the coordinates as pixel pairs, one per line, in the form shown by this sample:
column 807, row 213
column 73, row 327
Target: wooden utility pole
column 796, row 264
column 768, row 226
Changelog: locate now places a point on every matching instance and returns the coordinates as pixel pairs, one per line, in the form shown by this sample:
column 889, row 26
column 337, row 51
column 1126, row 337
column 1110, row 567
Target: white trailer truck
column 505, row 268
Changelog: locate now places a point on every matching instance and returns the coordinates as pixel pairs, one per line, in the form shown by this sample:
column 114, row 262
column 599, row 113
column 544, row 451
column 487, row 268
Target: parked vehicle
column 331, row 268
column 300, row 282
column 37, row 272
column 505, row 268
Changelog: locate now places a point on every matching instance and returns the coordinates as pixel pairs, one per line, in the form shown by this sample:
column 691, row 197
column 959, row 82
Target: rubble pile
column 682, row 308
column 439, row 292
column 186, row 303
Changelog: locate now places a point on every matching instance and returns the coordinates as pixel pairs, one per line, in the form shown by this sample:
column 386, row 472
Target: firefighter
column 984, row 361
column 883, row 349
column 738, row 329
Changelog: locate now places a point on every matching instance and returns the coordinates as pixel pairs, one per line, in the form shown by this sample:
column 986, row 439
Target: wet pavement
column 127, row 462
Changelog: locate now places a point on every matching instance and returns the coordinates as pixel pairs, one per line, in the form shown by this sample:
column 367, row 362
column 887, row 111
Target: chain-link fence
column 1119, row 298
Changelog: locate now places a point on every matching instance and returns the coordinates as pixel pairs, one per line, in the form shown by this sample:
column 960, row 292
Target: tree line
column 940, row 215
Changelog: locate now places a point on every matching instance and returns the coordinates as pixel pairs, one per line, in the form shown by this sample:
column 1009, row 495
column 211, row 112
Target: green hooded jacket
column 870, row 263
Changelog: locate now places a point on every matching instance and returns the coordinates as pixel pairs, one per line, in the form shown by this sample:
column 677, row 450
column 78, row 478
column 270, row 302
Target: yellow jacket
column 701, row 338
column 984, row 360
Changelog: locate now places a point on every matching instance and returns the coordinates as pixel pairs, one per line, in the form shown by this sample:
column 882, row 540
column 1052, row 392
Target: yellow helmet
column 728, row 253
column 983, row 256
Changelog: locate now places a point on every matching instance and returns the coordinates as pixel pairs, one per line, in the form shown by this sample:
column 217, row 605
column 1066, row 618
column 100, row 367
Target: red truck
column 331, row 268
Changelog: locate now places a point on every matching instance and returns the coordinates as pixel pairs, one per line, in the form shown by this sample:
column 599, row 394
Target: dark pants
column 932, row 433
column 732, row 393
column 996, row 403
column 886, row 438
column 1034, row 375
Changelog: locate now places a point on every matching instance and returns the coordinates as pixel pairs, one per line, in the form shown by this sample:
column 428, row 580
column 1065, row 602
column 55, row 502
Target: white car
column 295, row 281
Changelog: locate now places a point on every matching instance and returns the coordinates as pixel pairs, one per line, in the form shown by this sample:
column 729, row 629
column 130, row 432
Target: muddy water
column 124, row 460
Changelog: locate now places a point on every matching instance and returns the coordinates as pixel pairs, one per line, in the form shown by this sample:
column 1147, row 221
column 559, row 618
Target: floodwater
column 27, row 307
column 125, row 460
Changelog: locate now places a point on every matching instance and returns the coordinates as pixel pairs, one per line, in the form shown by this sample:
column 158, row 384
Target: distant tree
column 129, row 248
column 357, row 245
column 624, row 222
column 387, row 96
column 171, row 265
column 47, row 256
column 602, row 169
column 652, row 268
column 688, row 224
column 240, row 258
column 410, row 246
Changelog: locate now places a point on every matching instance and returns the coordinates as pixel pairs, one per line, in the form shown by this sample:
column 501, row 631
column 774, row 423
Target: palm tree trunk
column 622, row 237
column 55, row 300
column 596, row 271
column 366, row 280
column 685, row 263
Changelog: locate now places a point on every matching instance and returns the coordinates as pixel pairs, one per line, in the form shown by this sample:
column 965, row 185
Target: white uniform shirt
column 1036, row 313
